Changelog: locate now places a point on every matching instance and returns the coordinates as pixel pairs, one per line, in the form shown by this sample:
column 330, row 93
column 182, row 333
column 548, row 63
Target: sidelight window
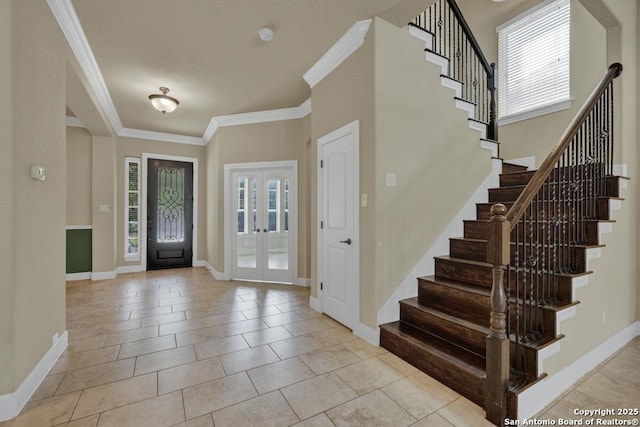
column 132, row 208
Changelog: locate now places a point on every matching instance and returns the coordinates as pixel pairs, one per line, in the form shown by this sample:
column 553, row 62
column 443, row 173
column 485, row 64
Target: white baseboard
column 315, row 304
column 11, row 404
column 215, row 273
column 372, row 336
column 130, row 269
column 200, row 263
column 104, row 275
column 537, row 397
column 78, row 276
column 303, row 281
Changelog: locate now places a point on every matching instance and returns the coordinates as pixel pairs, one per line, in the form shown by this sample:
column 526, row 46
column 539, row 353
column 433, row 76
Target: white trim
column 537, row 397
column 352, row 128
column 303, row 281
column 371, row 335
column 229, row 169
column 538, row 111
column 338, row 53
column 131, row 257
column 215, row 273
column 74, row 122
column 422, row 35
column 79, row 227
column 316, row 304
column 438, row 60
column 124, row 269
column 72, row 277
column 104, row 275
column 199, row 263
column 68, row 20
column 12, row 403
column 143, row 203
column 160, row 136
column 390, row 311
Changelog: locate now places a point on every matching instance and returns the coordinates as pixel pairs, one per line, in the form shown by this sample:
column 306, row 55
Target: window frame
column 127, row 192
column 551, row 106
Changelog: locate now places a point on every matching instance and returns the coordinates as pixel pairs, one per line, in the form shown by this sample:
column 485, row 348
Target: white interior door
column 338, row 211
column 263, row 216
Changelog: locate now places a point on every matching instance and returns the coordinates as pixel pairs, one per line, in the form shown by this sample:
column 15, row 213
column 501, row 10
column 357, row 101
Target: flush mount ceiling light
column 164, row 102
column 265, row 34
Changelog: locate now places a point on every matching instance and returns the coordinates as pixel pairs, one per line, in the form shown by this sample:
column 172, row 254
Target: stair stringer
column 408, row 288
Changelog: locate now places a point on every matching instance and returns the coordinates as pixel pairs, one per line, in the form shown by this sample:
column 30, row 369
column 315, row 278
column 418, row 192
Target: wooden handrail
column 541, row 175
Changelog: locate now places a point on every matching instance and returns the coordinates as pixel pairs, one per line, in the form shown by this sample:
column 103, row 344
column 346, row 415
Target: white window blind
column 533, row 54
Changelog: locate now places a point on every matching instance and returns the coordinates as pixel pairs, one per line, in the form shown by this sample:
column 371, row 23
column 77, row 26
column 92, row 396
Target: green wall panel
column 78, row 251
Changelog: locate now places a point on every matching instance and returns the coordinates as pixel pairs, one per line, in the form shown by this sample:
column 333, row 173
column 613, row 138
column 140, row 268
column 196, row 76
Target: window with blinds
column 533, row 55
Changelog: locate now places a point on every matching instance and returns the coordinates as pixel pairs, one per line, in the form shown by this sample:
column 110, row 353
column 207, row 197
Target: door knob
column 348, row 241
column 265, row 230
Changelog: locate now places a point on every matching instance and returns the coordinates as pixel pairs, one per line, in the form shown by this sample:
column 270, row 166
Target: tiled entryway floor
column 177, row 347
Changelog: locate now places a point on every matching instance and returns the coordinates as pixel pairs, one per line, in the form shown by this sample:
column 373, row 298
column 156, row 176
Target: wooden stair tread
column 446, row 350
column 459, row 285
column 453, row 319
column 464, row 261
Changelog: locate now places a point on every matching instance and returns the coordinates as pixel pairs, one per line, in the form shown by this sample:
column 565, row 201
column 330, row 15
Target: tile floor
column 178, row 348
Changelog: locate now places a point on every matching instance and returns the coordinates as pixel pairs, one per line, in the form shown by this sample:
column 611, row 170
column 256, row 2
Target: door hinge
column 321, row 286
column 321, row 225
column 321, row 163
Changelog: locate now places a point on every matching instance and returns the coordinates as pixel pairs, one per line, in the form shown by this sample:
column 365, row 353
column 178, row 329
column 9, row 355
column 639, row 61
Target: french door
column 262, row 219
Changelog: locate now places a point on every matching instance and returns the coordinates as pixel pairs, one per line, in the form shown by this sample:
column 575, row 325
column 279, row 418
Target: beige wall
column 7, row 193
column 345, row 95
column 133, row 147
column 422, row 137
column 610, row 302
column 103, row 192
column 396, row 95
column 32, row 54
column 78, row 176
column 263, row 142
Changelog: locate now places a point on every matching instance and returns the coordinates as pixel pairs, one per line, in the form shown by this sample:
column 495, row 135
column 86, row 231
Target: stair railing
column 531, row 244
column 467, row 63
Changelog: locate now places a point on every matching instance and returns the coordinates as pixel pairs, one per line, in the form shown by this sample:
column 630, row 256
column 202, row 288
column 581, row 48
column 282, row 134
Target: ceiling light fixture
column 164, row 102
column 265, row 34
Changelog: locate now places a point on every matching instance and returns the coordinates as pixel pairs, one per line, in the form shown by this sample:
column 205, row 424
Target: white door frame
column 143, row 205
column 229, row 169
column 352, row 128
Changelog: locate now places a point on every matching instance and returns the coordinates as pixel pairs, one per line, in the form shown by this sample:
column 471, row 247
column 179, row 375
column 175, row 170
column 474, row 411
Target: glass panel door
column 262, row 239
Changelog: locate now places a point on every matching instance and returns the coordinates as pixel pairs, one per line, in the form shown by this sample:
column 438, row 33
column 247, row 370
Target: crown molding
column 292, row 113
column 74, row 122
column 160, row 136
column 338, row 53
column 68, row 20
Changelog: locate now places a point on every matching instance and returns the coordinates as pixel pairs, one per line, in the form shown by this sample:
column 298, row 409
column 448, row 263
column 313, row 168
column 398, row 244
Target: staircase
column 487, row 318
column 443, row 331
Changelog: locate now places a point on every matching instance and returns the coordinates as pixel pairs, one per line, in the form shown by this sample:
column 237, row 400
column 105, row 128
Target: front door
column 169, row 214
column 263, row 212
column 339, row 261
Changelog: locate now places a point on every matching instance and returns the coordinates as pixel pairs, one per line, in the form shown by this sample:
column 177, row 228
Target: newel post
column 498, row 254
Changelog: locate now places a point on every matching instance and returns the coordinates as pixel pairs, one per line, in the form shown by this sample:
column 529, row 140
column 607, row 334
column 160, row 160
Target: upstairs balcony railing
column 531, row 246
column 454, row 40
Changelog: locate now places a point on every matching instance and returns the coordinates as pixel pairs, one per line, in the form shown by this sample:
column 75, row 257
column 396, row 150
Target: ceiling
column 210, row 56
